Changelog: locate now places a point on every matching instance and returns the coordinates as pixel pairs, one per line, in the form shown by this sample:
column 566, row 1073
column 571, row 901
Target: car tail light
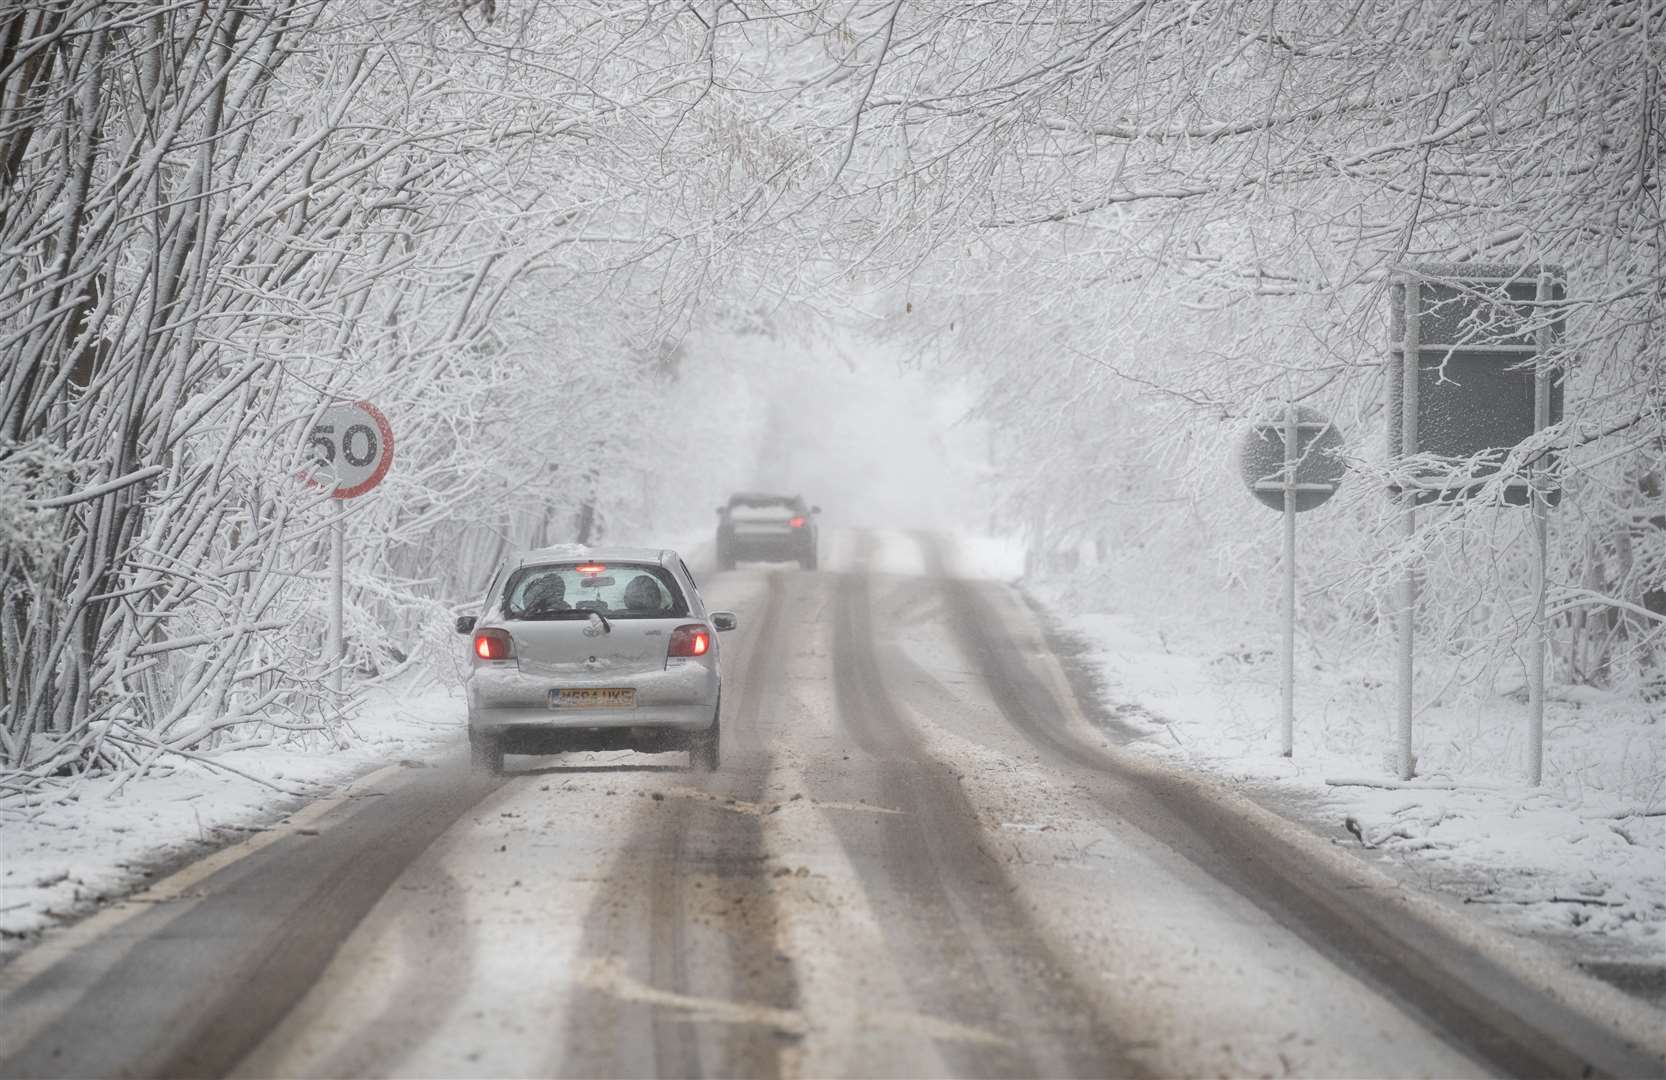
column 797, row 522
column 494, row 645
column 694, row 639
column 590, row 568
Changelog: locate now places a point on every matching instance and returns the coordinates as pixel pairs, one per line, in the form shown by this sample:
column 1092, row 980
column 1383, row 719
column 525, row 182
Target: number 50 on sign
column 351, row 447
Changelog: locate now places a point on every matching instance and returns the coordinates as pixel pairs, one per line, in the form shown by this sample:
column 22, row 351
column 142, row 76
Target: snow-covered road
column 918, row 859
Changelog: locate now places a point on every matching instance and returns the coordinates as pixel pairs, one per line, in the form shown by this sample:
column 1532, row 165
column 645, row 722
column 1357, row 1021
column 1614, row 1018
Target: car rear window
column 760, row 507
column 573, row 590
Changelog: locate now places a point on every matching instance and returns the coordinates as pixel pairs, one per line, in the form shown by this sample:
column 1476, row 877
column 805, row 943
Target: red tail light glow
column 590, row 568
column 797, row 523
column 494, row 645
column 691, row 639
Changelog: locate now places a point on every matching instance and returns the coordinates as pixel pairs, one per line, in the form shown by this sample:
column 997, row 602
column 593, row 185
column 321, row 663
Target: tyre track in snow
column 967, row 951
column 1468, row 1000
column 713, row 980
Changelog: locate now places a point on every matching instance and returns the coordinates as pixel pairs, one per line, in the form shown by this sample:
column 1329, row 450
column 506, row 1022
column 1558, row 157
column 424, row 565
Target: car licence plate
column 594, row 697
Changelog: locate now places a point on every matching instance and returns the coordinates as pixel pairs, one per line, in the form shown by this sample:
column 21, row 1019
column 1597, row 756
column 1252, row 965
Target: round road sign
column 1319, row 464
column 351, row 448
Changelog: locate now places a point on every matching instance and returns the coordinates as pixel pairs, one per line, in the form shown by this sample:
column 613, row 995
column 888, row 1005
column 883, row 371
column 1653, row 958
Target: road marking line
column 741, row 806
column 912, row 1023
column 861, row 808
column 722, row 802
column 606, row 975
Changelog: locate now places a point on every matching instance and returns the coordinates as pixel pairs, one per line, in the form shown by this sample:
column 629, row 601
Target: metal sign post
column 1468, row 337
column 1291, row 465
column 335, row 647
column 1407, row 605
column 352, row 450
column 1540, row 510
column 1287, row 670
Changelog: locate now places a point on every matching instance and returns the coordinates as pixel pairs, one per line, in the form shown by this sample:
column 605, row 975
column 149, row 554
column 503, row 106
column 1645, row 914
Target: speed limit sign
column 351, row 447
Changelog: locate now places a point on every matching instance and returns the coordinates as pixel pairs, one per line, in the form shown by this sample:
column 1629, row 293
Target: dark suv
column 757, row 526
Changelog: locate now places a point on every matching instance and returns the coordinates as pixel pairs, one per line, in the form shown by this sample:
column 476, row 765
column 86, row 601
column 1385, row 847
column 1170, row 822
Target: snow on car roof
column 564, row 552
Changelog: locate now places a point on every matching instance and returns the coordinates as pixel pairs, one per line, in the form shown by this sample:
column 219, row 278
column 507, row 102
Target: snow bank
column 1581, row 858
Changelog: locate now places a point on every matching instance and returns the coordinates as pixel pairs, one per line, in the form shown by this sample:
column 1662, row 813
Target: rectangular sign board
column 1478, row 334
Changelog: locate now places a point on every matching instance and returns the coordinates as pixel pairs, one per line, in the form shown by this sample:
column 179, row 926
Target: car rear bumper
column 537, row 735
column 682, row 696
column 527, row 720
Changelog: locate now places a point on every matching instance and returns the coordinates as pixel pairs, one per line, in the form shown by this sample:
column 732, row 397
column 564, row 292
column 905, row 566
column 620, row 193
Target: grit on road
column 918, row 859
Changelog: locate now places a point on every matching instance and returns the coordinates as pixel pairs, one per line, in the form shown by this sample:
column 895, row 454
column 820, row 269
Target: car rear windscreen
column 764, row 509
column 573, row 590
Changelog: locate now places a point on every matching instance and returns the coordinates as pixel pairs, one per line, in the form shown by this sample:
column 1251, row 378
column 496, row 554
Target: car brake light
column 494, row 645
column 590, row 568
column 797, row 523
column 694, row 639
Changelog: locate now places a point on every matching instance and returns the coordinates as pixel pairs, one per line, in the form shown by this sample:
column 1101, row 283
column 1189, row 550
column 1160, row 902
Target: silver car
column 580, row 648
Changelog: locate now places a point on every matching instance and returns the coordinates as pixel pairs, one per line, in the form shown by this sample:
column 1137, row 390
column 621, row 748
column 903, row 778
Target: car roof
column 762, row 496
column 571, row 552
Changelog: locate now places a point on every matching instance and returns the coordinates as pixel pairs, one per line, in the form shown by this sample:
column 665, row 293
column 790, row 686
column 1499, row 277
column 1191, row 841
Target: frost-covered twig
column 1414, row 785
column 1553, row 899
column 213, row 762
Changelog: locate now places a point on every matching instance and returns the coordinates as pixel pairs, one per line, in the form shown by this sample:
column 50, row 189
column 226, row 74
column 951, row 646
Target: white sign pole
column 336, row 646
column 352, row 445
column 1288, row 660
column 1541, row 542
column 1408, row 583
column 1290, row 473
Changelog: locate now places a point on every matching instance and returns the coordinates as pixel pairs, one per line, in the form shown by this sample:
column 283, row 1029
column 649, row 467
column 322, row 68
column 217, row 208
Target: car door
column 697, row 603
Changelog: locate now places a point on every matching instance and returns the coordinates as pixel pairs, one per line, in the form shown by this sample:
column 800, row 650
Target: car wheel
column 807, row 560
column 486, row 754
column 703, row 745
column 725, row 558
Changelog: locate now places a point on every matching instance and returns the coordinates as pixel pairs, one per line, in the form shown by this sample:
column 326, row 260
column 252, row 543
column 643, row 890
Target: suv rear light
column 797, row 522
column 692, row 639
column 494, row 645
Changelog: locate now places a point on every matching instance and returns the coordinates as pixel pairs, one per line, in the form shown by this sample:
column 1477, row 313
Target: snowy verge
column 109, row 835
column 1579, row 862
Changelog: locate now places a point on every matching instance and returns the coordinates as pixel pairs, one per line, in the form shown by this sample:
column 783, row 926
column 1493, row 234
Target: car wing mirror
column 465, row 624
column 723, row 620
column 815, row 509
column 720, row 509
